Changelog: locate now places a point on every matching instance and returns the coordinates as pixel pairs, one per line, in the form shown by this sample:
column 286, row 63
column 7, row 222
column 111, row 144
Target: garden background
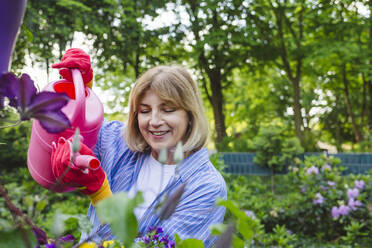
column 278, row 78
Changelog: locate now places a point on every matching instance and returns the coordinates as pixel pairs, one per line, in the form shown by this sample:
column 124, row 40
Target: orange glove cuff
column 102, row 193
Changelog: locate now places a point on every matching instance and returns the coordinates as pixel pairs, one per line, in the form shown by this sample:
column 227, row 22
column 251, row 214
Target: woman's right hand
column 90, row 180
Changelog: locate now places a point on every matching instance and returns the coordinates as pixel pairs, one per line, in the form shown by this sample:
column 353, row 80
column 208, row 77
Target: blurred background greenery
column 303, row 65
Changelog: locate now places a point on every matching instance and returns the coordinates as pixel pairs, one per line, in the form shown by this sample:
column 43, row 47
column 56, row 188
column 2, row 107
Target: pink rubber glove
column 75, row 58
column 91, row 180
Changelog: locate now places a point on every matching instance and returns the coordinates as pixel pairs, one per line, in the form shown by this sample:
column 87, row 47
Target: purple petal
column 1, row 101
column 6, row 80
column 67, row 238
column 48, row 101
column 24, row 90
column 146, row 239
column 335, row 212
column 53, row 122
column 52, row 245
column 40, row 235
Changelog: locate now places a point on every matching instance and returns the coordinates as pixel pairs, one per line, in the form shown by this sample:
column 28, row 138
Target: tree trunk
column 369, row 122
column 339, row 137
column 357, row 134
column 217, row 104
column 294, row 77
column 297, row 110
column 272, row 180
column 364, row 112
column 214, row 76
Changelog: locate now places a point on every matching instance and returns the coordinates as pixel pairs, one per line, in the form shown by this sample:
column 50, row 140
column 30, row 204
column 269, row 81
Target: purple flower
column 359, row 184
column 353, row 204
column 146, row 239
column 4, row 90
column 250, row 214
column 312, row 170
column 52, row 245
column 326, row 167
column 164, row 239
column 159, row 230
column 353, row 193
column 330, row 183
column 44, row 106
column 303, row 189
column 40, row 235
column 318, row 199
column 170, row 244
column 67, row 238
column 335, row 212
column 344, row 210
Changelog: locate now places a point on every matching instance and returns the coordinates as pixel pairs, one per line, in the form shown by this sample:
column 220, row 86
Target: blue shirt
column 196, row 210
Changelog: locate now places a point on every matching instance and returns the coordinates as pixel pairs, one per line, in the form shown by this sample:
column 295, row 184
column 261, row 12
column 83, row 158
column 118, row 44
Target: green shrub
column 275, row 149
column 13, row 141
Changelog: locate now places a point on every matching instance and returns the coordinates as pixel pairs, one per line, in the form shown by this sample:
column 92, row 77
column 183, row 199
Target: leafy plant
column 275, row 149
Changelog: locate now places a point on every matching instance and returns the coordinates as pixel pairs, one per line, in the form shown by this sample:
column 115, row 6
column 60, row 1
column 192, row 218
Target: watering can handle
column 78, row 117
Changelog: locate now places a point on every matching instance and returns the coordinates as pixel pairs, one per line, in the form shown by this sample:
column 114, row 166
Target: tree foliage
column 305, row 63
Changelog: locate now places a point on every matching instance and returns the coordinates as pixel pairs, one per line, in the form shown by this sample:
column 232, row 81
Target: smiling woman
column 165, row 109
column 161, row 124
column 168, row 98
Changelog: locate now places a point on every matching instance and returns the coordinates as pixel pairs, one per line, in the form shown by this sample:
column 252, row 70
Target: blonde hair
column 174, row 85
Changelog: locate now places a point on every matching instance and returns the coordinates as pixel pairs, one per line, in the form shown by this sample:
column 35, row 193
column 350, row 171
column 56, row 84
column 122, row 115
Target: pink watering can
column 85, row 111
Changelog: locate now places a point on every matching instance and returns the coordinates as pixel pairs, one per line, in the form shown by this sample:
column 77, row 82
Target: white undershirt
column 148, row 182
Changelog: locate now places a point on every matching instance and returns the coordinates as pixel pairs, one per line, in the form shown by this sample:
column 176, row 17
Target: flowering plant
column 329, row 201
column 156, row 238
column 44, row 106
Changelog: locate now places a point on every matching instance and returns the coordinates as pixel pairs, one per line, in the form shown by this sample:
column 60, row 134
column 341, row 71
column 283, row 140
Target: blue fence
column 242, row 163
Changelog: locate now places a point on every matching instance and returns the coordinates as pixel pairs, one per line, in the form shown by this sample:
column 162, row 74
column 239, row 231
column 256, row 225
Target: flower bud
column 163, row 156
column 76, row 141
column 178, row 154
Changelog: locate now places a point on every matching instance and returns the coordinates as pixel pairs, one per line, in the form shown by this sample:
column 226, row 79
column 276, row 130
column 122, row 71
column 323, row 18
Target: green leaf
column 217, row 229
column 232, row 208
column 189, row 243
column 28, row 33
column 118, row 211
column 41, row 205
column 29, row 201
column 237, row 242
column 246, row 228
column 15, row 239
column 84, row 223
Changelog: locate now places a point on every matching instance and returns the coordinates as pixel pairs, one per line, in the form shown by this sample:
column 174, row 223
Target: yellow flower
column 107, row 243
column 88, row 245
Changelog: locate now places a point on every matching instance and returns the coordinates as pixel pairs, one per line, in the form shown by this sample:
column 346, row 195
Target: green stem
column 13, row 124
column 16, row 212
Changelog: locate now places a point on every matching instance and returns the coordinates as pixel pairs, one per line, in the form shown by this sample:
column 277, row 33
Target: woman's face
column 161, row 125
